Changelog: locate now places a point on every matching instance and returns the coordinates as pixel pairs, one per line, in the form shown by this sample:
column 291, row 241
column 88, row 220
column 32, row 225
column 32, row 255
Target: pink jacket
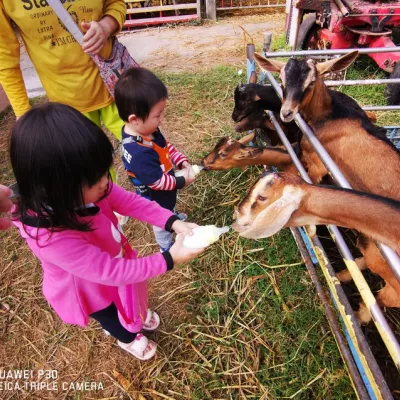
column 84, row 272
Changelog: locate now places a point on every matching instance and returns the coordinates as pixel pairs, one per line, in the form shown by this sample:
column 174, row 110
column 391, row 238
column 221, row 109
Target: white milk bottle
column 195, row 169
column 203, row 236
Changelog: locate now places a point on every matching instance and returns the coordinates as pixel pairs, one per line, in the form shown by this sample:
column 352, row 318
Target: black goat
column 251, row 101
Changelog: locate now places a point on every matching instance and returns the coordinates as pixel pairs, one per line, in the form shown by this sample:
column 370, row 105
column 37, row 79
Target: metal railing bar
column 362, row 82
column 390, row 340
column 371, row 15
column 331, row 52
column 391, row 257
column 330, row 271
column 330, row 274
column 332, row 318
column 381, row 108
column 244, row 7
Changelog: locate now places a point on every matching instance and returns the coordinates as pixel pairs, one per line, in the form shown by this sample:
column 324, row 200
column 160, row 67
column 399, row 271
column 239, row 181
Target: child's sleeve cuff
column 168, row 259
column 170, row 221
column 180, row 182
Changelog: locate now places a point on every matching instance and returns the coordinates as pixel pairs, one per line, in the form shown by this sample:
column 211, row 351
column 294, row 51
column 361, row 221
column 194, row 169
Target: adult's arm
column 97, row 32
column 117, row 10
column 10, row 70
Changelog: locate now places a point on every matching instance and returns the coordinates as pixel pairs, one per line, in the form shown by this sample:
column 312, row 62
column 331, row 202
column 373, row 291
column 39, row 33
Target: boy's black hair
column 137, row 91
column 55, row 150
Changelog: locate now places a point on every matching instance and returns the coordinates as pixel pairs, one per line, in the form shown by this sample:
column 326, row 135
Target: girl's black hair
column 137, row 91
column 55, row 150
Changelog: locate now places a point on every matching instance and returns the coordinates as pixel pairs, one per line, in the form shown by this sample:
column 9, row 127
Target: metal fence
column 363, row 369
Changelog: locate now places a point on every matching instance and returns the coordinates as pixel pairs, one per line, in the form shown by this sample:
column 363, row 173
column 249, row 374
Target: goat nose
column 286, row 113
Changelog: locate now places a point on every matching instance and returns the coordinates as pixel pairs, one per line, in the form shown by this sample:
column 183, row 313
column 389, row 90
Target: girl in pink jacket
column 66, row 214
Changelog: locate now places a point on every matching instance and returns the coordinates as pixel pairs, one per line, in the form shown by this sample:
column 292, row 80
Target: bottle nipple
column 213, row 233
column 196, row 169
column 223, row 229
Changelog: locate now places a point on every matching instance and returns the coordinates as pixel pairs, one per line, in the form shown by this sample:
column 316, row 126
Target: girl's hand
column 189, row 176
column 183, row 227
column 181, row 254
column 95, row 37
column 5, row 206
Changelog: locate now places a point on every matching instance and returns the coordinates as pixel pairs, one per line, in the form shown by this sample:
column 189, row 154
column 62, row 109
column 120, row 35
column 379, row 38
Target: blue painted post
column 251, row 65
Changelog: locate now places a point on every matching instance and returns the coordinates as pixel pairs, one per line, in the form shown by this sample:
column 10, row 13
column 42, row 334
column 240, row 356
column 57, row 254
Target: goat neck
column 317, row 103
column 282, row 200
column 375, row 216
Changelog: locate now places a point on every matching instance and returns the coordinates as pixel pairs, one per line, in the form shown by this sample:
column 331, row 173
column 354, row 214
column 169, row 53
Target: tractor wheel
column 307, row 38
column 392, row 91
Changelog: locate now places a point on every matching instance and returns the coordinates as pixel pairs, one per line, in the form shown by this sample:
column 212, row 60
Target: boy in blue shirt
column 147, row 156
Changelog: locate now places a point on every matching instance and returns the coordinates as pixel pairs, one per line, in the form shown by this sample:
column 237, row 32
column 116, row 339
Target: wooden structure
column 142, row 13
column 212, row 6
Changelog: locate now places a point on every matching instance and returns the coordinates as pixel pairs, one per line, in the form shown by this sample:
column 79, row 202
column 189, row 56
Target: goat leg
column 344, row 276
column 388, row 297
column 363, row 315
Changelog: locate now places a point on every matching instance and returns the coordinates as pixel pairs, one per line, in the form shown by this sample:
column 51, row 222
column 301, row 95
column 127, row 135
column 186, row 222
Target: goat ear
column 252, row 153
column 337, row 64
column 253, row 77
column 269, row 65
column 273, row 218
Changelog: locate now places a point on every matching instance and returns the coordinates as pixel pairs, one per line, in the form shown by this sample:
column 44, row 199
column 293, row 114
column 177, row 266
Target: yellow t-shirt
column 68, row 75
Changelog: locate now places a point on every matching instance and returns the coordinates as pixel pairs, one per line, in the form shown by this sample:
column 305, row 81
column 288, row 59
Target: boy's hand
column 183, row 227
column 186, row 164
column 181, row 254
column 189, row 176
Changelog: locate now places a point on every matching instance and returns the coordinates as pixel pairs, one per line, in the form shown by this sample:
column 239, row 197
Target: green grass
column 241, row 303
column 365, row 68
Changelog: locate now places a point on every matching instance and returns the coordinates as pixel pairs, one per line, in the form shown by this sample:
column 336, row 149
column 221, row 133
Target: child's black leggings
column 108, row 318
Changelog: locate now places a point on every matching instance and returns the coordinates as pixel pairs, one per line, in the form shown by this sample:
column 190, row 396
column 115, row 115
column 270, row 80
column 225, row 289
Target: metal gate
column 365, row 374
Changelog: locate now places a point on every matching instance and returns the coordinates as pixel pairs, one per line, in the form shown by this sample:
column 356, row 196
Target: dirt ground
column 198, row 47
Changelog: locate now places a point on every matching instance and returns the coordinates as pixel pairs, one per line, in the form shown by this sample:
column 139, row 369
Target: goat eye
column 222, row 154
column 261, row 198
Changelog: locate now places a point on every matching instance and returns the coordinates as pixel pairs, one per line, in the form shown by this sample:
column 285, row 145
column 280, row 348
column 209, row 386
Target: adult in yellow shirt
column 66, row 71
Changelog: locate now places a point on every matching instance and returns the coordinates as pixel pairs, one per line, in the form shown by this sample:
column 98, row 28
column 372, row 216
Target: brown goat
column 283, row 200
column 361, row 150
column 230, row 153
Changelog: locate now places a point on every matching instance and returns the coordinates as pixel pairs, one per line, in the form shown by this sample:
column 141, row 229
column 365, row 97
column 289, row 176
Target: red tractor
column 342, row 24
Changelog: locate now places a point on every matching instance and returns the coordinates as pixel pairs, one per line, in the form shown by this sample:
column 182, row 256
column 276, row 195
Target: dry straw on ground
column 241, row 322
